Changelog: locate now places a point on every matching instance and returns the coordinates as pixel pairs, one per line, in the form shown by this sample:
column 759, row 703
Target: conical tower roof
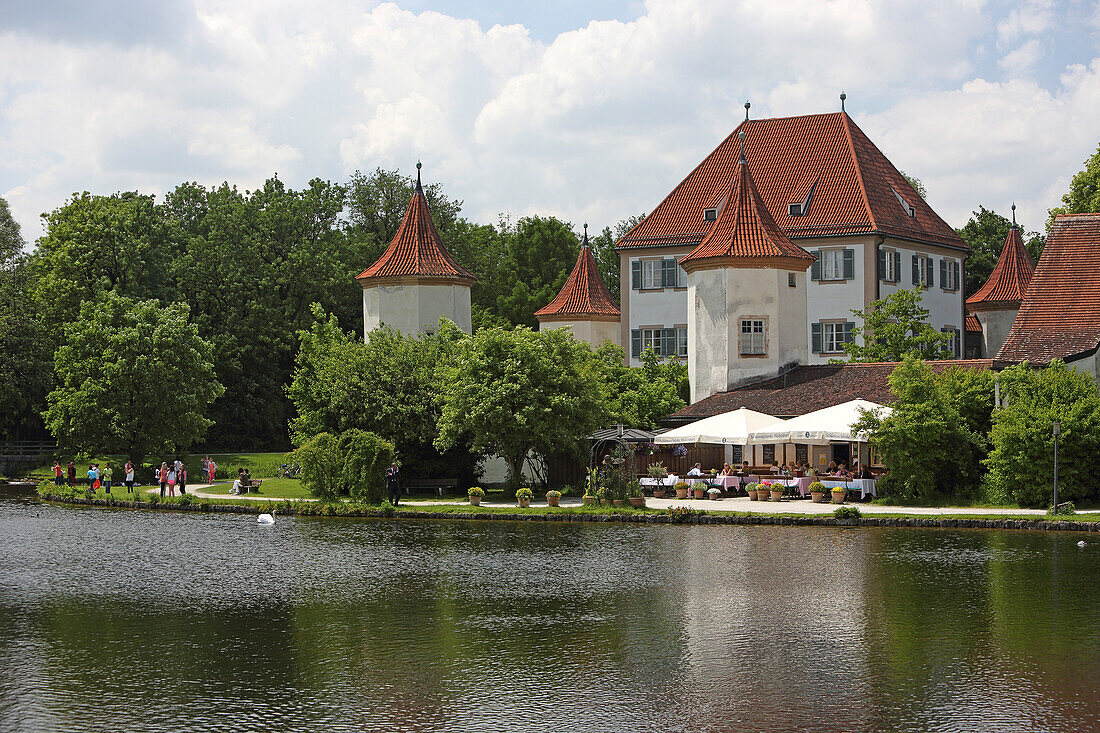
column 584, row 295
column 416, row 250
column 1008, row 283
column 745, row 234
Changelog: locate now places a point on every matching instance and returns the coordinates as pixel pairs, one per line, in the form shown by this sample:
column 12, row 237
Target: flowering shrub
column 553, row 494
column 680, row 451
column 475, row 491
column 524, row 494
column 817, row 487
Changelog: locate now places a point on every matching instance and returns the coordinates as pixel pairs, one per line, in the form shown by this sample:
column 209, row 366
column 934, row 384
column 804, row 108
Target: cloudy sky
column 587, row 110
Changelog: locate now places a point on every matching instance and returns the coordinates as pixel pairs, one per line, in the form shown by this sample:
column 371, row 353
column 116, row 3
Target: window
column 663, row 341
column 833, row 264
column 753, row 337
column 910, row 211
column 801, row 454
column 923, row 273
column 955, row 347
column 681, row 276
column 651, row 339
column 651, row 274
column 826, row 338
column 738, row 454
column 949, row 274
column 710, row 214
column 654, row 274
column 790, row 280
column 794, row 209
column 889, row 265
column 682, row 341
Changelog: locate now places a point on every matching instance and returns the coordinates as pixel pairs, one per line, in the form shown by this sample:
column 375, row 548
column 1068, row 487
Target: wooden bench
column 439, row 484
column 252, row 485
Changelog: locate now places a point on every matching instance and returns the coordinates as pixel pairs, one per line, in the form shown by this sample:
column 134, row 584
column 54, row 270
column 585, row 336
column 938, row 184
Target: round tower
column 416, row 281
column 584, row 305
column 996, row 304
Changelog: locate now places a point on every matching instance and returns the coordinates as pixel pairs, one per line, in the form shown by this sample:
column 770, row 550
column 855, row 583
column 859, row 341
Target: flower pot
column 700, row 493
column 475, row 501
column 777, row 495
column 752, row 495
column 637, row 502
column 552, row 500
column 681, row 493
column 658, row 493
column 838, row 497
column 616, row 502
column 591, row 500
column 524, row 503
column 817, row 497
column 714, row 497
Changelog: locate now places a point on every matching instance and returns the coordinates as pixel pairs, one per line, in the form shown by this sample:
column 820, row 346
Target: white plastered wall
column 416, row 308
column 591, row 332
column 995, row 327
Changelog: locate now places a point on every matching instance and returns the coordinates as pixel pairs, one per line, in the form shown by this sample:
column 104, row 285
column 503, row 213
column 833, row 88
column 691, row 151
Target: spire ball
column 747, row 105
column 1013, row 213
column 843, row 96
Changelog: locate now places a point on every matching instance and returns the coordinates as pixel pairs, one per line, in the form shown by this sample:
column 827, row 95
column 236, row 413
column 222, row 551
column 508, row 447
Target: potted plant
column 553, row 496
column 817, row 492
column 524, row 497
column 636, row 497
column 659, row 473
column 591, row 487
column 752, row 490
column 475, row 493
column 681, row 489
column 839, row 492
column 776, row 492
column 714, row 492
column 605, row 496
column 700, row 490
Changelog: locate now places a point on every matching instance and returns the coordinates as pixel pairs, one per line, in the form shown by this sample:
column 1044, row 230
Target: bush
column 817, row 487
column 366, row 457
column 322, row 466
column 680, row 485
column 387, row 508
column 1064, row 509
column 524, row 494
column 475, row 491
column 848, row 512
column 684, row 513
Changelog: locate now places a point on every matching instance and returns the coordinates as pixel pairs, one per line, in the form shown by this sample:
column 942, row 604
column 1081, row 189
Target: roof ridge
column 845, row 120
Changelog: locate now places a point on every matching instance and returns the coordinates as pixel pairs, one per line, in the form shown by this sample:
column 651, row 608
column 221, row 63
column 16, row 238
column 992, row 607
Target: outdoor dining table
column 865, row 486
column 669, row 480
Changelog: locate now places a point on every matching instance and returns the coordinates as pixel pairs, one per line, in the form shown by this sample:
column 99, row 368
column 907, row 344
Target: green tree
column 133, row 377
column 985, row 233
column 607, row 259
column 895, row 327
column 916, row 183
column 1083, row 196
column 322, row 466
column 366, row 457
column 640, row 397
column 513, row 392
column 538, row 255
column 1021, row 463
column 925, row 441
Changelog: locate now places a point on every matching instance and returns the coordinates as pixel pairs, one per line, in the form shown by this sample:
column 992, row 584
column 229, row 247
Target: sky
column 589, row 111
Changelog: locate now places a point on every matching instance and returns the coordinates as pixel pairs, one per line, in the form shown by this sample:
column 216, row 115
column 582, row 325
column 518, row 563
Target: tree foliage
column 512, row 392
column 1021, row 463
column 1083, row 196
column 133, row 377
column 929, row 442
column 896, row 327
column 322, row 466
column 640, row 397
column 985, row 233
column 916, row 183
column 365, row 457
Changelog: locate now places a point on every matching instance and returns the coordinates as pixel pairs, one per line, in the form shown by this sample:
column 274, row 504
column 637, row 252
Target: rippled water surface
column 133, row 621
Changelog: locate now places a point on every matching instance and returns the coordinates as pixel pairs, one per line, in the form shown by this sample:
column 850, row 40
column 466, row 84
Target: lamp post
column 1057, row 427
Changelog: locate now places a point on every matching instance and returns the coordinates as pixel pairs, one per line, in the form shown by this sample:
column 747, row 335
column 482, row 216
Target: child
column 57, row 473
column 171, row 482
column 108, row 474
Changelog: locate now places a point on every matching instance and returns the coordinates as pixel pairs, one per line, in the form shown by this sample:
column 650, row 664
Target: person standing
column 58, row 473
column 393, row 483
column 108, row 474
column 211, row 469
column 72, row 475
column 162, row 477
column 93, row 478
column 181, row 479
column 171, row 479
column 129, row 474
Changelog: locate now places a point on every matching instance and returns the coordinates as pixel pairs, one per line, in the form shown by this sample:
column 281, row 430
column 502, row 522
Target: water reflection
column 118, row 620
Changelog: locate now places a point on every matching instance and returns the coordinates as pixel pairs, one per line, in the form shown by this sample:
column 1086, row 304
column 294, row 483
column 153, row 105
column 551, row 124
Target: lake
column 117, row 620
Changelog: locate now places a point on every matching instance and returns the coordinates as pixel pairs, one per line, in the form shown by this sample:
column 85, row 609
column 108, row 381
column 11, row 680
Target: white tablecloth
column 865, row 486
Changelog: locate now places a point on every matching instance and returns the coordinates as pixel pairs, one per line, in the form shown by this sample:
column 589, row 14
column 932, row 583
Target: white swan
column 266, row 518
column 1080, row 543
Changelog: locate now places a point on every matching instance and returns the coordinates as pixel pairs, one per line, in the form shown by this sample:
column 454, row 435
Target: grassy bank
column 260, row 465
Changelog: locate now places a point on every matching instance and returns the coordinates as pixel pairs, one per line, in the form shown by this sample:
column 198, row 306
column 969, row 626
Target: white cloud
column 598, row 124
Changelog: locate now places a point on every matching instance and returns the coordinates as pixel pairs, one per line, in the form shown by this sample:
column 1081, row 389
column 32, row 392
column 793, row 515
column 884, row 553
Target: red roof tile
column 850, row 184
column 584, row 293
column 1060, row 314
column 744, row 228
column 1008, row 282
column 811, row 387
column 416, row 249
column 973, row 325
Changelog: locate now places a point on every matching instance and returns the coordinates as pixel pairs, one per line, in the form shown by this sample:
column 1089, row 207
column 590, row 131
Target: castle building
column 995, row 305
column 416, row 281
column 830, row 191
column 584, row 305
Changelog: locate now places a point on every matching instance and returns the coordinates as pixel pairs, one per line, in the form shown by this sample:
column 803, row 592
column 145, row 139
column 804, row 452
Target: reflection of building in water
column 774, row 619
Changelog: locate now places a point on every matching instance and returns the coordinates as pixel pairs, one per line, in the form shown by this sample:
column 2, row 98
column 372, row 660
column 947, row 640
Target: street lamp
column 1057, row 427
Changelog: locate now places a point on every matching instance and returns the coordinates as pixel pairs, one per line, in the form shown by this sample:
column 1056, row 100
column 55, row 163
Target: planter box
column 817, row 497
column 681, row 493
column 838, row 496
column 588, row 500
column 658, row 493
column 552, row 500
column 637, row 502
column 524, row 503
column 700, row 493
column 752, row 495
column 776, row 495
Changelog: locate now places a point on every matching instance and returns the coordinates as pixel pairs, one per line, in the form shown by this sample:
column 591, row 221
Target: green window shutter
column 815, row 338
column 668, row 273
column 668, row 339
column 815, row 268
column 955, row 267
column 882, row 264
column 943, row 272
column 636, row 342
column 929, row 272
column 916, row 270
column 957, row 344
column 848, row 327
column 636, row 276
column 849, row 264
column 897, row 267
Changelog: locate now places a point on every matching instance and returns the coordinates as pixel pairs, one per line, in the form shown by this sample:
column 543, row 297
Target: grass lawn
column 283, row 488
column 260, row 465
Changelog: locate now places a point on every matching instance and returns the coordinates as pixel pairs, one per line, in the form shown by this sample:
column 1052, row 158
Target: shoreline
column 625, row 516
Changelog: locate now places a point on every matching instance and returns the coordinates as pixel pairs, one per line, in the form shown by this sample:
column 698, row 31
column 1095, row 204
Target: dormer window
column 799, row 208
column 795, row 209
column 710, row 214
column 911, row 211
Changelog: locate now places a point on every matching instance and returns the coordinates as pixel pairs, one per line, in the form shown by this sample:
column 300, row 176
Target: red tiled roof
column 1060, row 314
column 416, row 249
column 584, row 293
column 744, row 228
column 1008, row 282
column 973, row 325
column 811, row 387
column 851, row 181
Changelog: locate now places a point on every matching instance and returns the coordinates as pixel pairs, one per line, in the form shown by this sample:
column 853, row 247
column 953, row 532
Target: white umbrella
column 821, row 427
column 730, row 427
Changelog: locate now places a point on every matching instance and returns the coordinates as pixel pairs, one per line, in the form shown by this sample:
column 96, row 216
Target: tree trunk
column 515, row 469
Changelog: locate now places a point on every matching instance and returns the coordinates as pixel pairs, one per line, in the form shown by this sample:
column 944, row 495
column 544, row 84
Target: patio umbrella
column 832, row 424
column 731, row 428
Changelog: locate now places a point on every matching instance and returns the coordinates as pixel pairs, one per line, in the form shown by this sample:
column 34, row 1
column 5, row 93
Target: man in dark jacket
column 393, row 483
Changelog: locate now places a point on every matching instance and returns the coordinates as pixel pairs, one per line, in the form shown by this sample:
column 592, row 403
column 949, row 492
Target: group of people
column 208, row 468
column 241, row 483
column 97, row 477
column 170, row 477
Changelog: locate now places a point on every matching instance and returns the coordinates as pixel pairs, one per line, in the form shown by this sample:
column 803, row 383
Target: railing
column 25, row 450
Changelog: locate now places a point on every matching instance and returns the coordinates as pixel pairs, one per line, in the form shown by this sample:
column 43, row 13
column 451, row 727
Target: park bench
column 252, row 484
column 439, row 484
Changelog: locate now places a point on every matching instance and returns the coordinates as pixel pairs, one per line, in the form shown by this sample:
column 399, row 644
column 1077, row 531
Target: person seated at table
column 843, row 471
column 726, row 470
column 861, row 471
column 696, row 470
column 830, row 470
column 775, row 468
column 744, row 470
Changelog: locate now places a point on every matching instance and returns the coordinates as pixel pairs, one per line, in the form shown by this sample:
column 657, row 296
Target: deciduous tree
column 1083, row 196
column 985, row 233
column 896, row 327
